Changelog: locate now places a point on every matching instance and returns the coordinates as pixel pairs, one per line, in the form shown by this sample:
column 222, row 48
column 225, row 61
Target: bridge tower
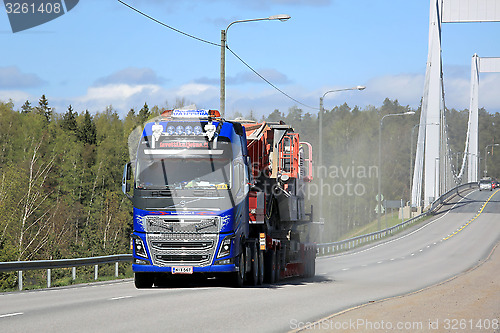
column 431, row 153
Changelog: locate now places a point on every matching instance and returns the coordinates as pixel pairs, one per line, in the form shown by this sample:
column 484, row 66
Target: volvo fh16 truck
column 213, row 197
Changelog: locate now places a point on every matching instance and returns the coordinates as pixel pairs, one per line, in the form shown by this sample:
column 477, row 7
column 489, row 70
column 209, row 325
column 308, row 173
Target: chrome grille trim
column 172, row 249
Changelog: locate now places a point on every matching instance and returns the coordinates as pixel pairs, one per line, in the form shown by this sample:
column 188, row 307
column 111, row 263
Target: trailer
column 216, row 197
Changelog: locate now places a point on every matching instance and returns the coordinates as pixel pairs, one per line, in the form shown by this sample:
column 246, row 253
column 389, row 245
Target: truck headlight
column 225, row 247
column 140, row 249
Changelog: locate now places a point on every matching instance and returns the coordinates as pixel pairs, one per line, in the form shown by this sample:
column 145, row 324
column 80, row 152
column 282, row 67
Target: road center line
column 475, row 217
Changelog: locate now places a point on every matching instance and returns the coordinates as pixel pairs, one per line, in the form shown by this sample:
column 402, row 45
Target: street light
column 486, row 157
column 223, row 39
column 320, row 144
column 379, row 195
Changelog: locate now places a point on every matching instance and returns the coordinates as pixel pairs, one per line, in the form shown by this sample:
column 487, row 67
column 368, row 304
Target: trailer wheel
column 270, row 266
column 260, row 256
column 253, row 275
column 143, row 280
column 277, row 271
column 313, row 262
column 310, row 264
column 306, row 265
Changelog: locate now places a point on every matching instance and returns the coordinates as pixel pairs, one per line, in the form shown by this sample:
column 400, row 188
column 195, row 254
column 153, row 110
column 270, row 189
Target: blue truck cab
column 189, row 186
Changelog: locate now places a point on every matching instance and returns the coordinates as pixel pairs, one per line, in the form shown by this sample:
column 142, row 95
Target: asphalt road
column 452, row 242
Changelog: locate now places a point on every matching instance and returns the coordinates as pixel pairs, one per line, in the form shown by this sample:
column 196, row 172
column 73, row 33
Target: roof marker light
column 197, row 130
column 170, row 130
column 188, row 130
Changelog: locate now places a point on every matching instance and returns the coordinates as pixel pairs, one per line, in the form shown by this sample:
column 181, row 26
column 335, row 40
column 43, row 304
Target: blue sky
column 102, row 53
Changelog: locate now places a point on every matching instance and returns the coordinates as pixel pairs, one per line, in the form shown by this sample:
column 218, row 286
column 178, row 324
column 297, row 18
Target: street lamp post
column 486, row 157
column 223, row 40
column 320, row 143
column 379, row 195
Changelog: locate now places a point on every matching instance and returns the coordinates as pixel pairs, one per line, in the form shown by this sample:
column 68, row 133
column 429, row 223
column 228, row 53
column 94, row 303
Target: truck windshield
column 184, row 167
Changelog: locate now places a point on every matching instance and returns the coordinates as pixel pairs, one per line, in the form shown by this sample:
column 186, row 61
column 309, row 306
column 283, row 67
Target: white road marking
column 11, row 314
column 121, row 297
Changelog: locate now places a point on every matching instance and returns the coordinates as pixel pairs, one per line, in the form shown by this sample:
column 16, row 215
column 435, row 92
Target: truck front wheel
column 239, row 277
column 143, row 280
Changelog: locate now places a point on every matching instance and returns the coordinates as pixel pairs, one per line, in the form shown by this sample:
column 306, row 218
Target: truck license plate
column 182, row 270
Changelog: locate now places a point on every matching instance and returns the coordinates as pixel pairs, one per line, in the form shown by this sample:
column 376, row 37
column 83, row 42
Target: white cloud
column 271, row 75
column 131, row 75
column 12, row 78
column 123, row 97
column 195, row 89
column 116, row 92
column 17, row 96
column 406, row 88
column 489, row 90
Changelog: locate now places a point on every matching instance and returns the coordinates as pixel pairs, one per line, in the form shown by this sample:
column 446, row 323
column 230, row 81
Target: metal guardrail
column 21, row 266
column 347, row 244
column 454, row 191
column 323, row 249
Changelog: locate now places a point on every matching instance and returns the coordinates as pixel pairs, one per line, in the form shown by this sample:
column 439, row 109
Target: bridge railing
column 347, row 244
column 21, row 266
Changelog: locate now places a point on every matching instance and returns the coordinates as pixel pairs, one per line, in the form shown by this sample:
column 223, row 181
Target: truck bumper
column 168, row 269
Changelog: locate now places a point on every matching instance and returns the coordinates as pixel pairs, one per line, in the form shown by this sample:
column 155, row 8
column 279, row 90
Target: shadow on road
column 466, row 205
column 221, row 282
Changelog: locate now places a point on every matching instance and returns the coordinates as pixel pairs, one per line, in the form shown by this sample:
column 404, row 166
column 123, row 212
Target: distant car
column 485, row 184
column 495, row 184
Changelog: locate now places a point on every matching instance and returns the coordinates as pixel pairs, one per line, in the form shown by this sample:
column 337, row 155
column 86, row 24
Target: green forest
column 60, row 173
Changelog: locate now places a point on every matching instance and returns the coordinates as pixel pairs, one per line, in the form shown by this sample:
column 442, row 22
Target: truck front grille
column 182, row 249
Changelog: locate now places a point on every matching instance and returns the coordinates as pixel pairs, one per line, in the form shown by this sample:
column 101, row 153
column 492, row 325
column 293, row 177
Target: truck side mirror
column 127, row 175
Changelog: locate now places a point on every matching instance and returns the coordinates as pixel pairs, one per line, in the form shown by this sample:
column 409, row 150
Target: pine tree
column 87, row 131
column 69, row 120
column 26, row 108
column 144, row 113
column 44, row 109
